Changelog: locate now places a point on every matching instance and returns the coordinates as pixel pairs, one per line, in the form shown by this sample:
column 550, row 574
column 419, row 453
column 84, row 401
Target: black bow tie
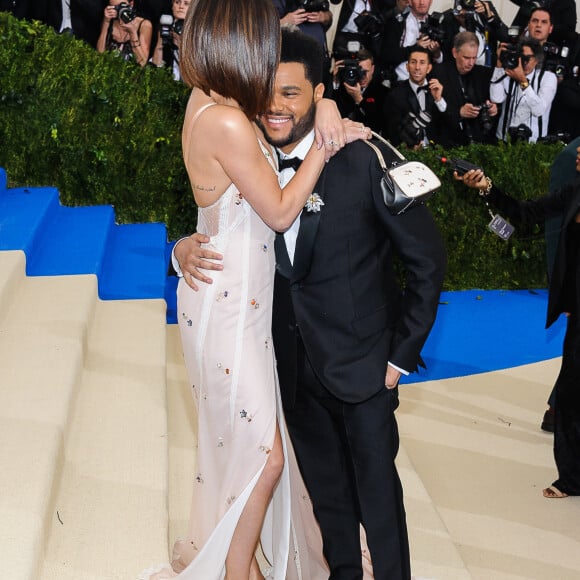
column 290, row 162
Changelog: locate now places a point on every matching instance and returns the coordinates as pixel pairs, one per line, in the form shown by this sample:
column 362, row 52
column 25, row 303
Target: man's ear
column 429, row 68
column 318, row 92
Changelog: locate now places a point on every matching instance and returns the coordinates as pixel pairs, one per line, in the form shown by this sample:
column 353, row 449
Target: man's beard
column 298, row 131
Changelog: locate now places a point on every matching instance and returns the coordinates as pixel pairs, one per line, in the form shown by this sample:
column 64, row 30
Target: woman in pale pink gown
column 247, row 488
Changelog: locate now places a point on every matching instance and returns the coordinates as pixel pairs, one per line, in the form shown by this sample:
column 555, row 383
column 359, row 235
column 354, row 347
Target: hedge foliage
column 107, row 132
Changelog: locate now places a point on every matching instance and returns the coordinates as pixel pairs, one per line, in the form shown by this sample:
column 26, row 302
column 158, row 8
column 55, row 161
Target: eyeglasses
column 526, row 58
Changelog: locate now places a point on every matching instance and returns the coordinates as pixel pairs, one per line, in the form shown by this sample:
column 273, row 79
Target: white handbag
column 406, row 183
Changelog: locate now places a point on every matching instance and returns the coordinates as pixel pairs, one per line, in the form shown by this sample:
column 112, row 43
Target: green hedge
column 101, row 130
column 107, row 132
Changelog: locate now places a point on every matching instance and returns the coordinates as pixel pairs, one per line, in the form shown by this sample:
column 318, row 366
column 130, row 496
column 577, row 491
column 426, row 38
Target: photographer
column 166, row 51
column 413, row 109
column 565, row 111
column 564, row 298
column 125, row 32
column 481, row 18
column 361, row 21
column 405, row 30
column 563, row 17
column 470, row 115
column 525, row 91
column 358, row 94
column 313, row 17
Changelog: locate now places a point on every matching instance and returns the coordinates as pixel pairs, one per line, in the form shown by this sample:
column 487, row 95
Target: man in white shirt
column 525, row 91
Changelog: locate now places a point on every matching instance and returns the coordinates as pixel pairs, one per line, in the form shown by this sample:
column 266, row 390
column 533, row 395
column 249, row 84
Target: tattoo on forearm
column 203, row 187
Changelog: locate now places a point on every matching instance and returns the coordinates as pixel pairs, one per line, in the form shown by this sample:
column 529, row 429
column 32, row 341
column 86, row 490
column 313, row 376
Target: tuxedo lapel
column 283, row 264
column 309, row 221
column 412, row 99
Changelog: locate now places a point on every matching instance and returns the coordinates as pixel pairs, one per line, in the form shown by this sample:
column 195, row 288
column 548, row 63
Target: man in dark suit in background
column 413, row 108
column 470, row 116
column 343, row 329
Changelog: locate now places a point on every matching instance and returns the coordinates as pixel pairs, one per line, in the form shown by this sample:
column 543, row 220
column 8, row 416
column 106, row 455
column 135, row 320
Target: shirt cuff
column 402, row 371
column 441, row 104
column 174, row 261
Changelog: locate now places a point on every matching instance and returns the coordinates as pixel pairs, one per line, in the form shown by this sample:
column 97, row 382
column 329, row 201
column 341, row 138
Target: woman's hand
column 328, row 128
column 355, row 130
column 110, row 13
column 474, row 178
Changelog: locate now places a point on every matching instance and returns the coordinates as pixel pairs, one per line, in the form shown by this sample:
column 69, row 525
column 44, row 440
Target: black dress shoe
column 548, row 420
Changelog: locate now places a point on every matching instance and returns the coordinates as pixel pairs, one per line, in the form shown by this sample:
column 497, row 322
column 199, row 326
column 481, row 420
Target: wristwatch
column 524, row 85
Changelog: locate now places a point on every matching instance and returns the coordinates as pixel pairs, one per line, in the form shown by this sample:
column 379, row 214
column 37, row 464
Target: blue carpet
column 476, row 331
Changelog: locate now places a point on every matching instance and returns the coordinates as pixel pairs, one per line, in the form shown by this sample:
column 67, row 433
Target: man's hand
column 297, row 17
column 323, row 17
column 436, row 89
column 354, row 92
column 492, row 108
column 469, row 111
column 392, row 377
column 192, row 258
column 517, row 73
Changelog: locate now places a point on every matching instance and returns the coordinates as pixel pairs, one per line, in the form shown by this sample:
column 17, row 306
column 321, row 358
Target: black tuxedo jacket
column 347, row 8
column 565, row 201
column 401, row 101
column 86, row 17
column 341, row 297
column 460, row 131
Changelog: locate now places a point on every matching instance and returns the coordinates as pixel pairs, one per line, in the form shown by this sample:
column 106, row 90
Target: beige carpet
column 473, row 463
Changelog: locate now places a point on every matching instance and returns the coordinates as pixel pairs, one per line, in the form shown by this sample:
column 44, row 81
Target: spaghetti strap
column 192, row 123
column 200, row 111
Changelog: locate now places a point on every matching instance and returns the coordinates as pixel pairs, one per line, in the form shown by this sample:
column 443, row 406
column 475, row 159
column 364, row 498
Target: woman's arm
column 140, row 33
column 108, row 15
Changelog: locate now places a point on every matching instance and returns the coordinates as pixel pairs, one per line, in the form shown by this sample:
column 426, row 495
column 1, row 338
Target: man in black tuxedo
column 466, row 90
column 406, row 105
column 343, row 329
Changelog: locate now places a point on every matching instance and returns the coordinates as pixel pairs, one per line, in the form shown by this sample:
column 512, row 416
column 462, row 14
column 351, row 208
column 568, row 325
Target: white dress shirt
column 526, row 106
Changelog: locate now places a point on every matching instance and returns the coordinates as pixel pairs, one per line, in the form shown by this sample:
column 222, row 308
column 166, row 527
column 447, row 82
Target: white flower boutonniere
column 314, row 203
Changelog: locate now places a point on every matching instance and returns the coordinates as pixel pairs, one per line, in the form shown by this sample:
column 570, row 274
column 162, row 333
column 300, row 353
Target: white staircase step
column 42, row 342
column 112, row 502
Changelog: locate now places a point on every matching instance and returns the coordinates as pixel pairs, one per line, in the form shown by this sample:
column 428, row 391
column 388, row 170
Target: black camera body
column 125, row 13
column 369, row 23
column 433, row 28
column 412, row 128
column 313, row 5
column 510, row 57
column 350, row 72
column 484, row 119
column 520, row 133
column 167, row 25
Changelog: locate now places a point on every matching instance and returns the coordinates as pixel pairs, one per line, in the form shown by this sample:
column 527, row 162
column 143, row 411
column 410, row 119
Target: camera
column 561, row 137
column 520, row 133
column 510, row 57
column 369, row 23
column 555, row 58
column 412, row 128
column 167, row 25
column 433, row 27
column 313, row 5
column 467, row 5
column 533, row 4
column 125, row 13
column 485, row 120
column 350, row 72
